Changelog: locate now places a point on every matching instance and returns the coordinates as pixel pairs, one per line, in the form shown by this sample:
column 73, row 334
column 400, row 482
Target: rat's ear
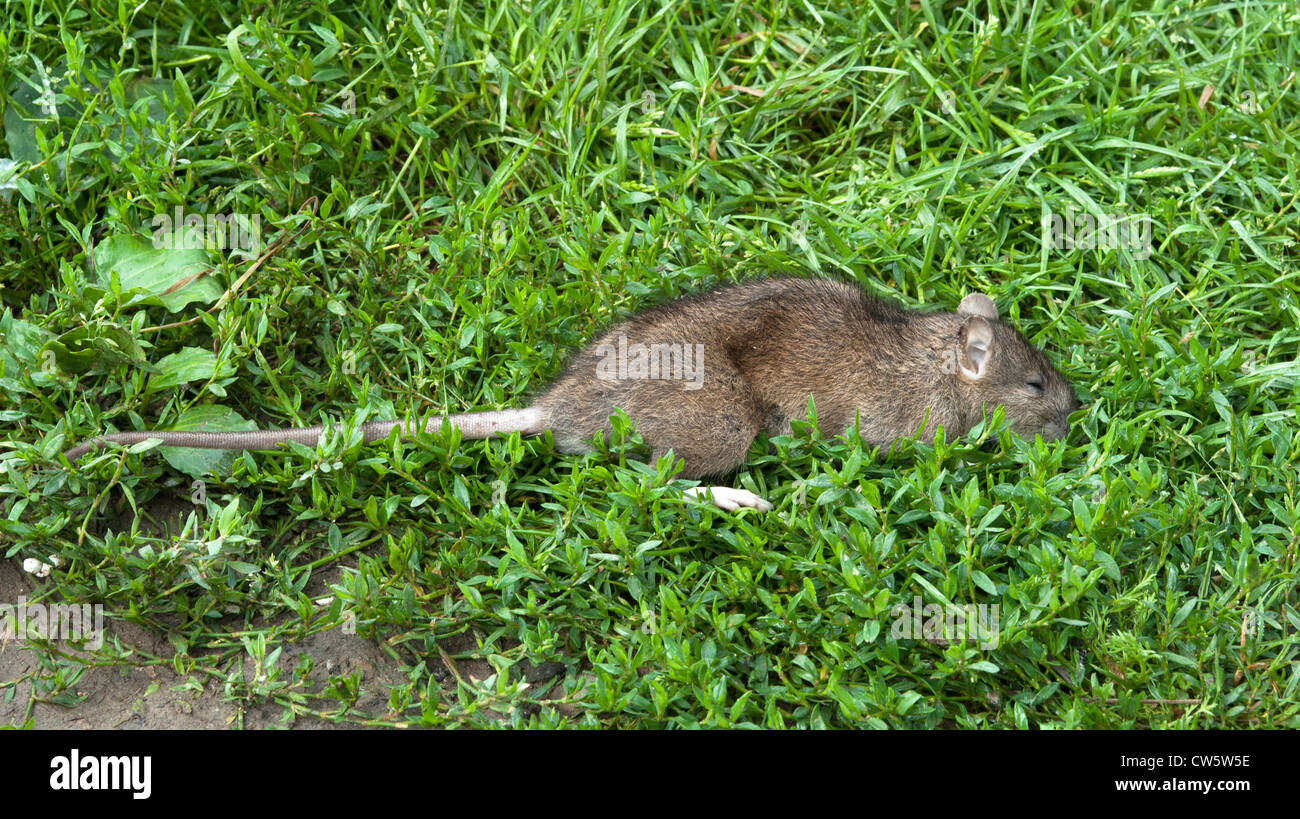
column 978, row 304
column 974, row 349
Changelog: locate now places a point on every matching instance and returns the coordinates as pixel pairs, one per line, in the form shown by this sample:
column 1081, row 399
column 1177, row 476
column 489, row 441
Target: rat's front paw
column 724, row 497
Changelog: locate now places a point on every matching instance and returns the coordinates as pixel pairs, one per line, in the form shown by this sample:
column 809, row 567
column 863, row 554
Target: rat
column 705, row 374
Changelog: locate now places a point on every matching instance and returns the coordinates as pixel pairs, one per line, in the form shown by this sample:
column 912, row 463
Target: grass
column 451, row 196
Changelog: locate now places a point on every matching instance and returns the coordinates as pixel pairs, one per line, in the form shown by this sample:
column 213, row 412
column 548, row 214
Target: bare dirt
column 155, row 696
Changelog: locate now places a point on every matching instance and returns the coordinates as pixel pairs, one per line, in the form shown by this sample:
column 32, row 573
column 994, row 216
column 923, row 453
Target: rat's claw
column 726, row 498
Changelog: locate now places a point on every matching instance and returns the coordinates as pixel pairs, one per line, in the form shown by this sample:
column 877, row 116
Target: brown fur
column 769, row 345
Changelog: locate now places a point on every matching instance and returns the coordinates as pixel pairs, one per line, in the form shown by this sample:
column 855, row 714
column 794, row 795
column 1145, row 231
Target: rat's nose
column 1056, row 429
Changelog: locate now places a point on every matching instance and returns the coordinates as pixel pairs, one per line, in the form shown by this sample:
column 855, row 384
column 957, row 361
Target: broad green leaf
column 155, row 275
column 99, row 345
column 190, row 364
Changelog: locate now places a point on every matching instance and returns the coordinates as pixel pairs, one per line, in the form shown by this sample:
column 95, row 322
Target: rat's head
column 997, row 366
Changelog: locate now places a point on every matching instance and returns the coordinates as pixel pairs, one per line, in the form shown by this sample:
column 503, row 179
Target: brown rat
column 705, row 374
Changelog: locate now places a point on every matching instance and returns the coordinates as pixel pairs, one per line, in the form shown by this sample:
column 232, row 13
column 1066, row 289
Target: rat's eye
column 1035, row 384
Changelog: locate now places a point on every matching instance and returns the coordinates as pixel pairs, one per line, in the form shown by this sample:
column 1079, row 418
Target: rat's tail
column 472, row 426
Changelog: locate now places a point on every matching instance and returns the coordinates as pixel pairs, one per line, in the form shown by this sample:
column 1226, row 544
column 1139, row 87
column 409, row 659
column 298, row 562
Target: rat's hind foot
column 724, row 497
